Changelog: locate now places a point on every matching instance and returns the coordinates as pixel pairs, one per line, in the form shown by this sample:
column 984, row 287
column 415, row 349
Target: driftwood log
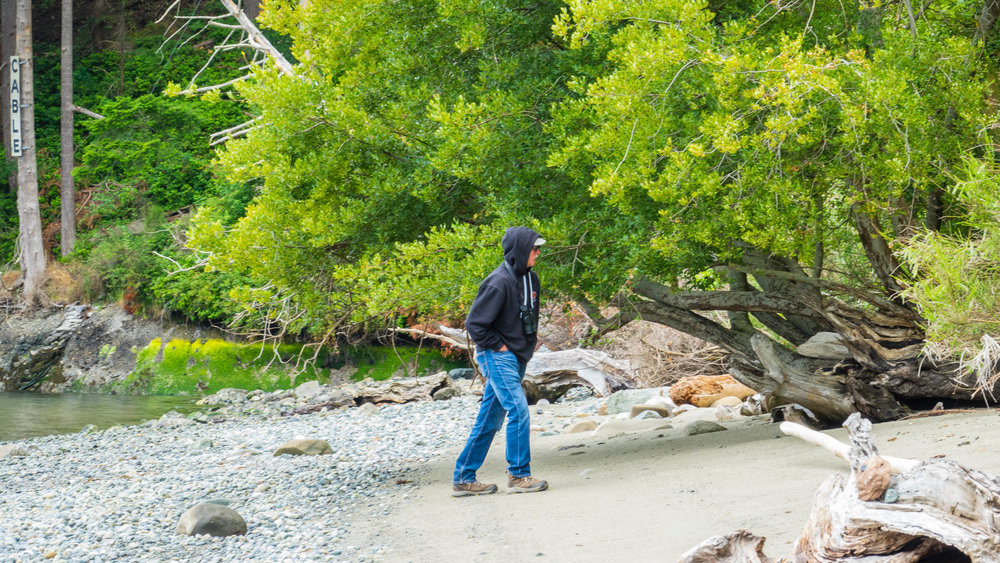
column 550, row 374
column 569, row 368
column 399, row 390
column 738, row 547
column 886, row 510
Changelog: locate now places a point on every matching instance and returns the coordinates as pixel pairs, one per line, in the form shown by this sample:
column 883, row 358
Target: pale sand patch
column 649, row 496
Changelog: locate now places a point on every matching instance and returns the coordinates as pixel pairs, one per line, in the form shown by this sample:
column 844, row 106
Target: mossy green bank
column 206, row 366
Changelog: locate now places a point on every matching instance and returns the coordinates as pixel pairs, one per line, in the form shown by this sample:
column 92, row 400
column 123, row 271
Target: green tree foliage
column 769, row 133
column 146, row 159
column 957, row 274
column 156, row 146
column 658, row 140
column 411, row 132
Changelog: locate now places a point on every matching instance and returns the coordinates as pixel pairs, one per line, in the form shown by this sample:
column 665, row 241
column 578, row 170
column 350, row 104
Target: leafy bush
column 199, row 295
column 156, row 146
column 958, row 287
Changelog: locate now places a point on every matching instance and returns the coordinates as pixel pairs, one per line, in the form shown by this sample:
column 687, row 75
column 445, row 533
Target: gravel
column 117, row 495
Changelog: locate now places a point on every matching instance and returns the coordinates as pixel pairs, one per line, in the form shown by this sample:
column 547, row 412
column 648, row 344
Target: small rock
column 462, row 373
column 367, row 409
column 702, row 427
column 12, row 450
column 542, row 402
column 891, row 495
column 582, row 426
column 203, row 444
column 659, row 410
column 304, row 446
column 728, row 402
column 446, row 393
column 211, row 519
column 727, row 413
column 624, row 400
column 647, row 414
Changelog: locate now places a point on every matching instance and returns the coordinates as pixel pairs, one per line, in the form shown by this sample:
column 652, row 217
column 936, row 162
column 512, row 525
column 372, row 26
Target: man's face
column 535, row 251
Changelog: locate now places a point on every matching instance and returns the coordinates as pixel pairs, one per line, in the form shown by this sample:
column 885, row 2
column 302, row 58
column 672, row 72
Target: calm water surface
column 24, row 415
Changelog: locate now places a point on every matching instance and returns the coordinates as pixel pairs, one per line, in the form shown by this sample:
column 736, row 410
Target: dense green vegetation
column 140, row 171
column 680, row 142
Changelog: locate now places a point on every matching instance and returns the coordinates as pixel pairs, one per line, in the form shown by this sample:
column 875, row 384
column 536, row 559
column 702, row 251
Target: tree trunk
column 885, row 368
column 7, row 31
column 987, row 19
column 32, row 257
column 67, row 192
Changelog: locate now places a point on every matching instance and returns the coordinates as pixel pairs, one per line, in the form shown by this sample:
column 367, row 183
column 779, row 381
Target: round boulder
column 211, row 519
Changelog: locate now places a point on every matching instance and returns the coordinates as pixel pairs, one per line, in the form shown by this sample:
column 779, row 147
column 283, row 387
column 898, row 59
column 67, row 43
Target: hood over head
column 517, row 243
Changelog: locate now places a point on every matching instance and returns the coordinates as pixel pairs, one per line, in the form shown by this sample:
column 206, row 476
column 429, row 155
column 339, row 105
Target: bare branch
column 87, row 112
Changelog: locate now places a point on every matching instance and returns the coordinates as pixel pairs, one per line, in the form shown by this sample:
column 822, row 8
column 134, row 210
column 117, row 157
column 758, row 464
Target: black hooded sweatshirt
column 495, row 317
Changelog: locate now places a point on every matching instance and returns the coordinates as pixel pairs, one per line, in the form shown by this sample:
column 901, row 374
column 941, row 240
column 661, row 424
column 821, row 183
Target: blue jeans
column 502, row 395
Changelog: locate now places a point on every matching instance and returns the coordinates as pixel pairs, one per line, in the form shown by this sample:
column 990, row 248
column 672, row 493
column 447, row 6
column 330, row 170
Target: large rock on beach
column 624, row 400
column 703, row 390
column 211, row 519
column 304, row 446
column 308, row 390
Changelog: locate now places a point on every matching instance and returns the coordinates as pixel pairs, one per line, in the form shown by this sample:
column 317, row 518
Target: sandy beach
column 649, row 496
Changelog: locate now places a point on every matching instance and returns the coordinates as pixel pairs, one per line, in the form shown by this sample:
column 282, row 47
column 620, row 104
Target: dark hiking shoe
column 525, row 485
column 473, row 488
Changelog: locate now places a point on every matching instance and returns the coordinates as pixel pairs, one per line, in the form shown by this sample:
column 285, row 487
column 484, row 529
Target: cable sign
column 15, row 106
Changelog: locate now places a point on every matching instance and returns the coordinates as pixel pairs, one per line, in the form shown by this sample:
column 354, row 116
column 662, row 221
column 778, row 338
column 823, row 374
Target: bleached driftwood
column 738, row 547
column 399, row 390
column 886, row 510
column 931, row 509
column 550, row 374
column 578, row 366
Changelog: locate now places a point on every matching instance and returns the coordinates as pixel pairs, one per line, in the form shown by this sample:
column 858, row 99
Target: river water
column 24, row 415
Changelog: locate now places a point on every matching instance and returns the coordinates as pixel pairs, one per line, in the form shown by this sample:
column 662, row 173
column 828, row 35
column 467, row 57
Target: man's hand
column 503, row 348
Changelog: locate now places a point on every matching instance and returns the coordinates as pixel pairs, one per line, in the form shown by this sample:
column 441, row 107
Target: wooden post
column 7, row 29
column 67, row 190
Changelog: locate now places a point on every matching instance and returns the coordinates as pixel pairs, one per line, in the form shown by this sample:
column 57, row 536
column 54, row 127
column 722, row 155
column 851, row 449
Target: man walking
column 503, row 322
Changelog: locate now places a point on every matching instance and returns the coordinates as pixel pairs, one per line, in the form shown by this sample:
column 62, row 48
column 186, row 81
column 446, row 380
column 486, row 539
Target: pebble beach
column 117, row 494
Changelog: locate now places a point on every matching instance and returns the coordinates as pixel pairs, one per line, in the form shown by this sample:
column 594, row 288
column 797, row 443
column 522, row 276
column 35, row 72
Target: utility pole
column 32, row 255
column 67, row 190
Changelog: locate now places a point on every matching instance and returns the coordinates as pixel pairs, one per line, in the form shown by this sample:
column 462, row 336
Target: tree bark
column 987, row 19
column 67, row 190
column 886, row 368
column 880, row 256
column 7, row 31
column 32, row 257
